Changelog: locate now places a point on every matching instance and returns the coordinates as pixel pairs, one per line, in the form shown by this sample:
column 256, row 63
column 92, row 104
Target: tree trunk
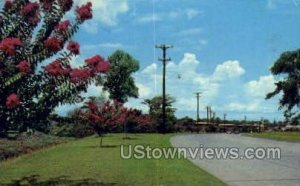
column 101, row 141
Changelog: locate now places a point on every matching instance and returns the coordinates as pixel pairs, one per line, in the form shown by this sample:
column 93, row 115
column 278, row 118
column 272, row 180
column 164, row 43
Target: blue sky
column 223, row 47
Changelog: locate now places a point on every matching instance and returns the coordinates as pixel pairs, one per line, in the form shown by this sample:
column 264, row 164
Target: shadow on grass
column 129, row 138
column 103, row 146
column 62, row 180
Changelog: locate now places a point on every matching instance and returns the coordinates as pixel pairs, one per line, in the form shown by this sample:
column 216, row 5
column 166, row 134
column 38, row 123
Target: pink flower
column 12, row 101
column 63, row 26
column 66, row 4
column 93, row 118
column 103, row 67
column 78, row 75
column 74, row 47
column 84, row 12
column 54, row 69
column 93, row 61
column 53, row 44
column 24, row 66
column 30, row 9
column 92, row 106
column 7, row 5
column 98, row 64
column 47, row 4
column 8, row 45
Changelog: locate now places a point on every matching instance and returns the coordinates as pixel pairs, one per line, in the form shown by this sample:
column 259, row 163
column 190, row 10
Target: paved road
column 283, row 172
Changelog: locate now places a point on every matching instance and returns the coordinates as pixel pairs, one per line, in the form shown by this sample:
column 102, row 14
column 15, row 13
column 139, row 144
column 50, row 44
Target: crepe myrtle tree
column 30, row 33
column 113, row 116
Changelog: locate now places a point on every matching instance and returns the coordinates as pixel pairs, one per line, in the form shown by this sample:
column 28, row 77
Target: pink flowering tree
column 113, row 116
column 31, row 33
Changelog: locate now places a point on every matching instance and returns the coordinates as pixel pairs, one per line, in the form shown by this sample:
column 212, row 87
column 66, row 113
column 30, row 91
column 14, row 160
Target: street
column 254, row 172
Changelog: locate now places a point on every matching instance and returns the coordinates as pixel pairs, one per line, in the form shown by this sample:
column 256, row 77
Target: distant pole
column 208, row 114
column 198, row 97
column 224, row 118
column 164, row 60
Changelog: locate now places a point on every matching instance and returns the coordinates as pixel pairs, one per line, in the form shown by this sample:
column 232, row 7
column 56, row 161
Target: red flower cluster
column 30, row 9
column 98, row 64
column 114, row 116
column 47, row 4
column 84, row 12
column 53, row 44
column 63, row 26
column 24, row 66
column 12, row 101
column 8, row 45
column 54, row 69
column 92, row 106
column 66, row 4
column 77, row 75
column 7, row 5
column 93, row 118
column 74, row 47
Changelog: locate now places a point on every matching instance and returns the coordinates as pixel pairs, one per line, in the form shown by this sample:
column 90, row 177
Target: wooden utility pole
column 164, row 60
column 208, row 110
column 198, row 98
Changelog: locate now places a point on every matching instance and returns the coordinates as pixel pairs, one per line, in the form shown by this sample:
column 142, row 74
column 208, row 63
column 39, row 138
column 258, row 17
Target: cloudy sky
column 222, row 47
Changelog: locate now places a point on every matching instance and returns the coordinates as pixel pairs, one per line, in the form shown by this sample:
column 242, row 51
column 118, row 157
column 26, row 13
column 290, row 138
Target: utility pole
column 208, row 110
column 198, row 97
column 164, row 60
column 224, row 118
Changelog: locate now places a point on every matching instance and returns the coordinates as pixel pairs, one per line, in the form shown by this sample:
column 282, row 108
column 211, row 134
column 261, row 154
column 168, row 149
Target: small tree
column 31, row 33
column 288, row 67
column 113, row 117
column 120, row 83
column 155, row 110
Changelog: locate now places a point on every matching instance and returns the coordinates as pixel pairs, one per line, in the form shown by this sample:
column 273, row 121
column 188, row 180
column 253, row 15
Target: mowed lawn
column 83, row 162
column 282, row 136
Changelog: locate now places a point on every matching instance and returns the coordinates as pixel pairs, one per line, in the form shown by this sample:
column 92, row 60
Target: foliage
column 155, row 110
column 115, row 117
column 30, row 34
column 288, row 68
column 120, row 83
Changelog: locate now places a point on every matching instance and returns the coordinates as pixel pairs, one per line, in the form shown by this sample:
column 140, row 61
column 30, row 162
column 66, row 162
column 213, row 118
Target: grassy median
column 84, row 162
column 281, row 136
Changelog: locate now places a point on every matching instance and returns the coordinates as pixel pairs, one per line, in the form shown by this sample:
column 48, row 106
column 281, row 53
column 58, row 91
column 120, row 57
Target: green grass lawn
column 82, row 162
column 282, row 136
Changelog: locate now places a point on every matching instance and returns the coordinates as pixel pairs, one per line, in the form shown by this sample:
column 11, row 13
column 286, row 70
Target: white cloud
column 93, row 91
column 104, row 12
column 103, row 45
column 149, row 18
column 191, row 13
column 150, row 70
column 229, row 69
column 144, row 91
column 107, row 12
column 189, row 32
column 259, row 88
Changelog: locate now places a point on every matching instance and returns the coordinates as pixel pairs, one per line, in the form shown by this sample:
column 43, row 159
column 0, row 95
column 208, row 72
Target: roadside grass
column 84, row 162
column 281, row 136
